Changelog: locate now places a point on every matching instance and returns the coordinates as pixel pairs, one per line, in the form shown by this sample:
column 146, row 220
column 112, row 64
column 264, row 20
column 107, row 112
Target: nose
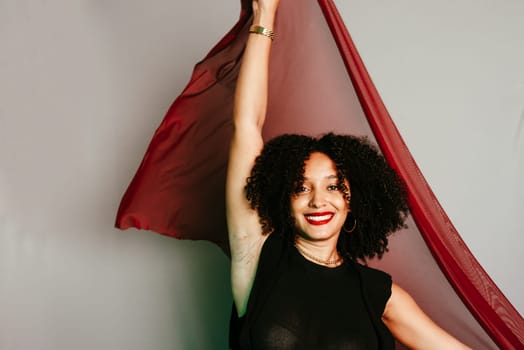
column 317, row 200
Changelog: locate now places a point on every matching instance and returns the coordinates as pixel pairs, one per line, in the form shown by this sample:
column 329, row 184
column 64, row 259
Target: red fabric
column 178, row 189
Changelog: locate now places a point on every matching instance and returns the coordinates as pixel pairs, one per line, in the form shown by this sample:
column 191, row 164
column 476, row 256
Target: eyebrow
column 325, row 177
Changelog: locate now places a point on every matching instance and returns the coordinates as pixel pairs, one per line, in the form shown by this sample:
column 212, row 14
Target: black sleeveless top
column 297, row 304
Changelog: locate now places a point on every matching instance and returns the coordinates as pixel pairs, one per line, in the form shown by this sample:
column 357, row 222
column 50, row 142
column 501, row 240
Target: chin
column 319, row 236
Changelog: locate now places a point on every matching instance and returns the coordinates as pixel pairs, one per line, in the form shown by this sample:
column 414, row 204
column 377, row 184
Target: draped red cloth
column 316, row 85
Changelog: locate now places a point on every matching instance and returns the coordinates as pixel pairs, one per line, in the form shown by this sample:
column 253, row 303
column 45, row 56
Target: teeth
column 318, row 218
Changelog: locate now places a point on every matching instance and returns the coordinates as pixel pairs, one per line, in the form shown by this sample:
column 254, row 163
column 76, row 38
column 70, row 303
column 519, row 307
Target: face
column 318, row 206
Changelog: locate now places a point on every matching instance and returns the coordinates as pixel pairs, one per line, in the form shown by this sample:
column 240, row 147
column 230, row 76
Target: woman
column 301, row 212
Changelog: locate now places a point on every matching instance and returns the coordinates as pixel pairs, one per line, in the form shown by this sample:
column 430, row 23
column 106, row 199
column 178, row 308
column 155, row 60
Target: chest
column 314, row 307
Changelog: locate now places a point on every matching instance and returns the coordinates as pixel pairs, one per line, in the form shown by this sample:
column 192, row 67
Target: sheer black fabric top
column 297, row 304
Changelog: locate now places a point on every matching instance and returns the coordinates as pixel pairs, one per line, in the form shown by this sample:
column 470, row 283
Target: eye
column 333, row 188
column 301, row 189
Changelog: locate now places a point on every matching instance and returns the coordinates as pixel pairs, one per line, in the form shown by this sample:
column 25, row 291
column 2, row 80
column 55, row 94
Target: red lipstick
column 319, row 218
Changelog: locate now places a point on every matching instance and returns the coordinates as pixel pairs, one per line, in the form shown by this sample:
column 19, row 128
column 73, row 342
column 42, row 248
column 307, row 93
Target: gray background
column 84, row 84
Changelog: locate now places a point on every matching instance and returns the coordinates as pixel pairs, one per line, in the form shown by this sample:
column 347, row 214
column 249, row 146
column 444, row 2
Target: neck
column 324, row 254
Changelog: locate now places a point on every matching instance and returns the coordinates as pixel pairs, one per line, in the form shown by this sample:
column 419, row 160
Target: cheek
column 298, row 205
column 293, row 206
column 340, row 202
column 346, row 205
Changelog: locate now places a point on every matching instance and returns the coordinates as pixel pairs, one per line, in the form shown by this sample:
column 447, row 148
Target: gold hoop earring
column 353, row 227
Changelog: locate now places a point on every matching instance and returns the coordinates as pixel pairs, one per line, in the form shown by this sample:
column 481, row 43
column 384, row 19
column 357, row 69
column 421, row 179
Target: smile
column 319, row 218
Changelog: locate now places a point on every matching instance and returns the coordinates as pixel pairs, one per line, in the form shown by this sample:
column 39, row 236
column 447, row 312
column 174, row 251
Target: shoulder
column 272, row 249
column 374, row 278
column 254, row 282
column 376, row 285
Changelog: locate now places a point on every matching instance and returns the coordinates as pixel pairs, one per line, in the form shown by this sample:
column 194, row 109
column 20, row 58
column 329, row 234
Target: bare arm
column 245, row 234
column 412, row 327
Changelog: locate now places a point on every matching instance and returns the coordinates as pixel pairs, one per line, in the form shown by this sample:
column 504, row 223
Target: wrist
column 264, row 19
column 256, row 29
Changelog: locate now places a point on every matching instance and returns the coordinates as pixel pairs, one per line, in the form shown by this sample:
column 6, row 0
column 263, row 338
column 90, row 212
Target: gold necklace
column 324, row 262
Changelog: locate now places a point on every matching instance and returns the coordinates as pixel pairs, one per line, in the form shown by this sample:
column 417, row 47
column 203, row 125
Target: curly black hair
column 378, row 199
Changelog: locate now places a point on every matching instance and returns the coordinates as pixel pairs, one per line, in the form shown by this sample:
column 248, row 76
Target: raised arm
column 245, row 233
column 412, row 327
